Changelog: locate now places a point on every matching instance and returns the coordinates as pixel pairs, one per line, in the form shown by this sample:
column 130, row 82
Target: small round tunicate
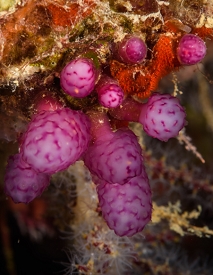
column 78, row 77
column 132, row 50
column 191, row 49
column 110, row 94
column 163, row 116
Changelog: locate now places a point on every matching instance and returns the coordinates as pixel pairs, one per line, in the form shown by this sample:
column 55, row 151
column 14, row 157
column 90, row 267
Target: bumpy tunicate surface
column 126, row 208
column 132, row 50
column 191, row 49
column 22, row 183
column 115, row 160
column 78, row 77
column 110, row 95
column 164, row 117
column 55, row 139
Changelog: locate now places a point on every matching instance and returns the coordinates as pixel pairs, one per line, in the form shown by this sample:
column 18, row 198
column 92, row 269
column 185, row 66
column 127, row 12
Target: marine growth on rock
column 91, row 70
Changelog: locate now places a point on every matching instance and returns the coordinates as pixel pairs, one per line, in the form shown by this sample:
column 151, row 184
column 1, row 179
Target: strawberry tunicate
column 116, row 159
column 191, row 49
column 78, row 77
column 126, row 208
column 132, row 50
column 55, row 139
column 110, row 94
column 162, row 116
column 22, row 182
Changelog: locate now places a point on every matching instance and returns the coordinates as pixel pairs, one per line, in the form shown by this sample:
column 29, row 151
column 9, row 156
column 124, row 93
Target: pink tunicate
column 78, row 77
column 162, row 116
column 55, row 139
column 126, row 208
column 116, row 159
column 110, row 94
column 22, row 182
column 132, row 50
column 191, row 49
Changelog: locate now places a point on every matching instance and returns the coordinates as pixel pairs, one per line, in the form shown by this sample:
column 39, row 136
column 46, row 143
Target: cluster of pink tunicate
column 58, row 136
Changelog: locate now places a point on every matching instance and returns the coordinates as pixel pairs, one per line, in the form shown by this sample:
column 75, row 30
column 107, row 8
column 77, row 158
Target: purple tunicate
column 78, row 77
column 162, row 116
column 116, row 159
column 22, row 182
column 126, row 208
column 191, row 49
column 132, row 50
column 110, row 94
column 55, row 139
